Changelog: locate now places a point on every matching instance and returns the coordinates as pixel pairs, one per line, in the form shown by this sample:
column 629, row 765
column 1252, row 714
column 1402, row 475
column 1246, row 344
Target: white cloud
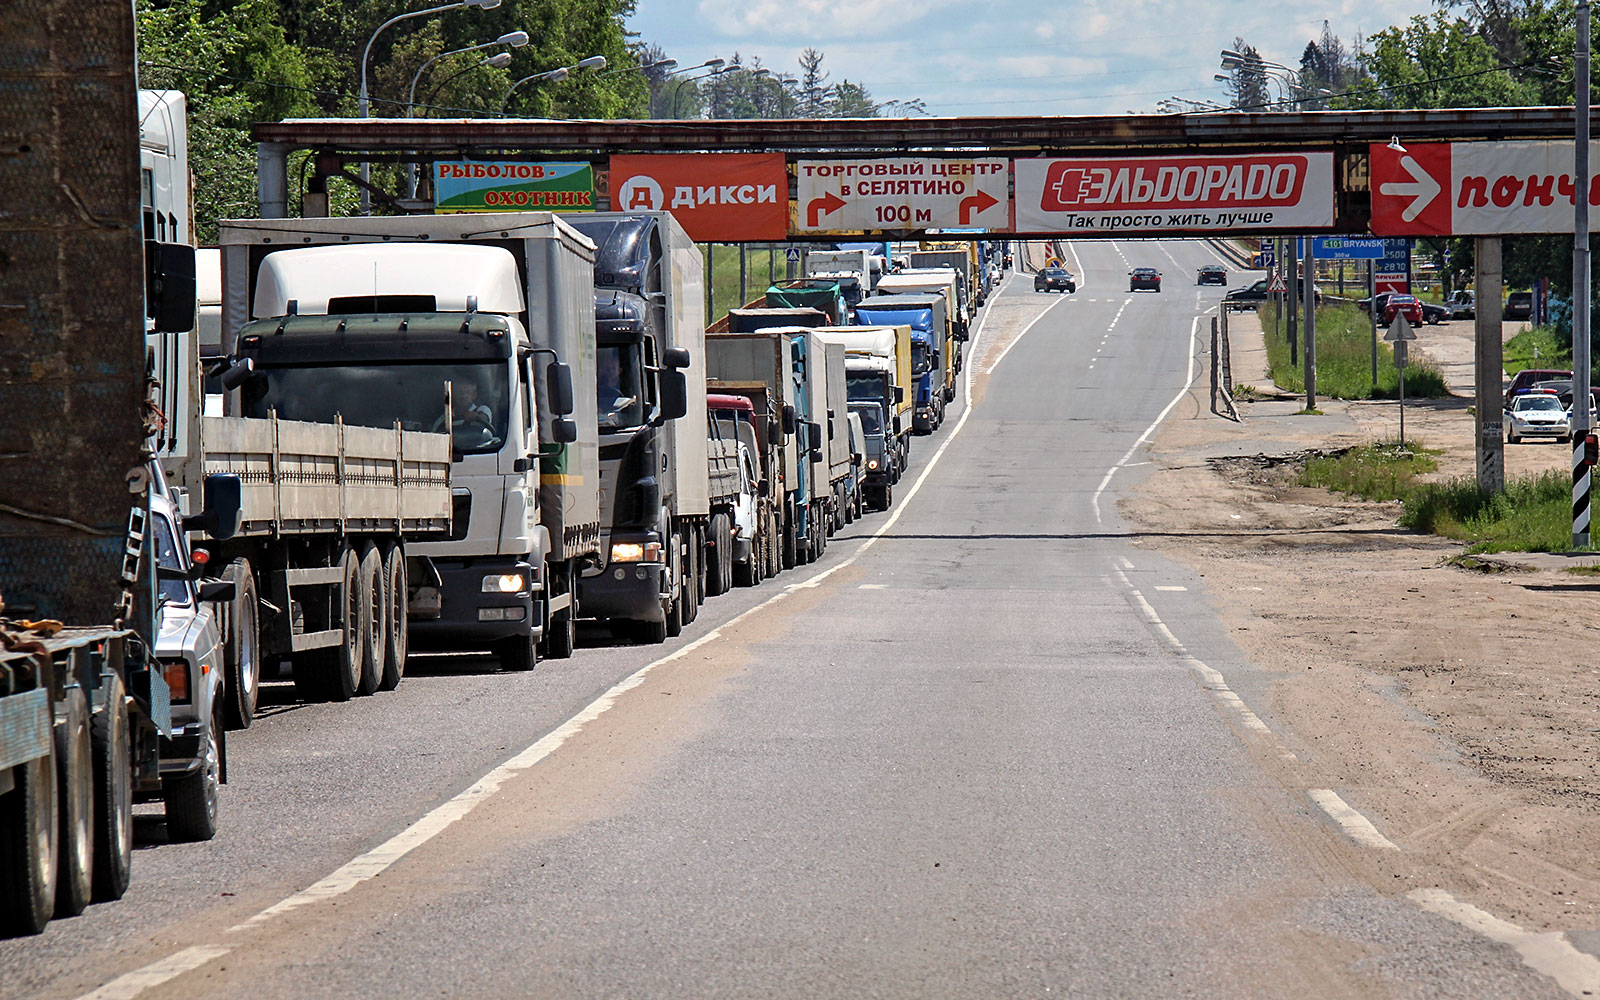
column 803, row 17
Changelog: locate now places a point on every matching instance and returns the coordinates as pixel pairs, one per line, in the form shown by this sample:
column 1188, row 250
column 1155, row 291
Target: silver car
column 189, row 648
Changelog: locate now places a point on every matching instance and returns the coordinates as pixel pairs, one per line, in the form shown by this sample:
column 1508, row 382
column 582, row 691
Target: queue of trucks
column 337, row 441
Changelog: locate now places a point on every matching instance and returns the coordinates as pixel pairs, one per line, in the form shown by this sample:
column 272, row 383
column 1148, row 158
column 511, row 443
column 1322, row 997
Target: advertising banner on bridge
column 481, row 186
column 1476, row 188
column 901, row 192
column 1246, row 192
column 717, row 197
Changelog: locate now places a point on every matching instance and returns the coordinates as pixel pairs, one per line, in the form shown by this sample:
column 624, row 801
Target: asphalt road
column 986, row 747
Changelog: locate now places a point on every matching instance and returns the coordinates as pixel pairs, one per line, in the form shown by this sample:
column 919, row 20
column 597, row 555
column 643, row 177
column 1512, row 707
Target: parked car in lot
column 1463, row 303
column 1594, row 419
column 1526, row 379
column 1055, row 279
column 1406, row 305
column 1536, row 414
column 1435, row 314
column 1144, row 277
column 1519, row 305
column 1211, row 274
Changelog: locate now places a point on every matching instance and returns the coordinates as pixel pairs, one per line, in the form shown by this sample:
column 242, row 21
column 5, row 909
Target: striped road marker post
column 1583, row 458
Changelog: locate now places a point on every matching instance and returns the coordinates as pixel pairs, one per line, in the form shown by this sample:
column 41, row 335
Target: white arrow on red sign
column 1422, row 188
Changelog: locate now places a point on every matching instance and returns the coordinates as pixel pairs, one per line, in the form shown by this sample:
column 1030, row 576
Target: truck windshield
column 172, row 591
column 871, row 420
column 863, row 385
column 921, row 359
column 617, row 386
column 378, row 395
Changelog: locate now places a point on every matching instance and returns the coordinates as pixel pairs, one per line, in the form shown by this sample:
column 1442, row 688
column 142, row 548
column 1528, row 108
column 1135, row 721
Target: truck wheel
column 113, row 792
column 28, row 847
column 562, row 635
column 396, row 618
column 342, row 664
column 719, row 554
column 241, row 653
column 746, row 574
column 790, row 555
column 75, row 788
column 192, row 799
column 517, row 654
column 698, row 571
column 373, row 631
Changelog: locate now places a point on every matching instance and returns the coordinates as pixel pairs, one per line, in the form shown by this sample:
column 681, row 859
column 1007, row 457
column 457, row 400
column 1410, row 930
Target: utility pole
column 1291, row 299
column 1581, row 472
column 1489, row 356
column 1372, row 313
column 1308, row 291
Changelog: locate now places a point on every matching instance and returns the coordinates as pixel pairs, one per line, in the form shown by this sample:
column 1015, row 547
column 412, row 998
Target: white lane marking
column 1210, row 679
column 1355, row 826
column 873, row 586
column 1550, row 953
column 131, row 984
column 1121, row 463
column 382, row 857
column 1172, row 588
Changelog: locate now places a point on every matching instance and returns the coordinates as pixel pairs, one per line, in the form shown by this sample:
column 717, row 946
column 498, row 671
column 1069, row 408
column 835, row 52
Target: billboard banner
column 1253, row 192
column 482, row 186
column 903, row 192
column 1477, row 188
column 717, row 197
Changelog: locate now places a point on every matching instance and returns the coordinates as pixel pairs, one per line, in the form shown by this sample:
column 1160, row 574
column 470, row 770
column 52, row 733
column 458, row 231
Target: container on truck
column 946, row 281
column 385, row 321
column 764, row 318
column 823, row 294
column 932, row 343
column 777, row 361
column 659, row 511
column 960, row 258
column 878, row 370
column 830, row 412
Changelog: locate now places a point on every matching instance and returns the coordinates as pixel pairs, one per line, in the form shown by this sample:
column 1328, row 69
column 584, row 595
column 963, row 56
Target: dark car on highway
column 1055, row 279
column 1254, row 294
column 1211, row 274
column 1144, row 277
column 1433, row 313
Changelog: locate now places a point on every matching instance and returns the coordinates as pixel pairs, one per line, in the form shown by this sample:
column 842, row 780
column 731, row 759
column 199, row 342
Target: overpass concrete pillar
column 1489, row 366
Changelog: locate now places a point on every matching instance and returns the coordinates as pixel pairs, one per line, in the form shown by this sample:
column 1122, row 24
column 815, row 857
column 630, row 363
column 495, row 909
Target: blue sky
column 1010, row 57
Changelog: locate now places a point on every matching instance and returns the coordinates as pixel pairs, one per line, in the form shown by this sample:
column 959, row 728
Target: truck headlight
column 635, row 552
column 505, row 583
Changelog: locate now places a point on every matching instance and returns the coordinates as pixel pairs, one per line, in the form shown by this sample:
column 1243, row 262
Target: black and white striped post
column 1581, row 469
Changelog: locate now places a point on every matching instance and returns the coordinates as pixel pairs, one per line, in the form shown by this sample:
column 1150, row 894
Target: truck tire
column 113, row 792
column 790, row 552
column 562, row 636
column 718, row 556
column 373, row 633
column 192, row 799
column 28, row 831
column 517, row 654
column 396, row 618
column 75, row 793
column 698, row 570
column 241, row 652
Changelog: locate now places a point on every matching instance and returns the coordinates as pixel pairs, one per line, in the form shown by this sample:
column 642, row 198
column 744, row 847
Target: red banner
column 717, row 197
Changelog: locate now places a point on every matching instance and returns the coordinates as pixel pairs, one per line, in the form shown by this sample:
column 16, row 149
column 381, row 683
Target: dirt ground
column 1458, row 709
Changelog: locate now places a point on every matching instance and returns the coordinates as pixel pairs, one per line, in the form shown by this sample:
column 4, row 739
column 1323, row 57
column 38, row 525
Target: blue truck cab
column 928, row 364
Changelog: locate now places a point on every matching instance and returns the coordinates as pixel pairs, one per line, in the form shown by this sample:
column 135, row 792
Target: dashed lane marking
column 1355, row 826
column 1550, row 952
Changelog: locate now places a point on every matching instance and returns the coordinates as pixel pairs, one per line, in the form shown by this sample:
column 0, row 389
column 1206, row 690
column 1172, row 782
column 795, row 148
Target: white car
column 1536, row 415
column 1594, row 421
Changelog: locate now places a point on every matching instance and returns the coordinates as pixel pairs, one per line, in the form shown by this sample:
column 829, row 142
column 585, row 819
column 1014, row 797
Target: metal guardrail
column 1222, row 370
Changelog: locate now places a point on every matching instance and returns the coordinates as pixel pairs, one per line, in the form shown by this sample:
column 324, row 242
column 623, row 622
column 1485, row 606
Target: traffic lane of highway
column 1022, row 791
column 312, row 785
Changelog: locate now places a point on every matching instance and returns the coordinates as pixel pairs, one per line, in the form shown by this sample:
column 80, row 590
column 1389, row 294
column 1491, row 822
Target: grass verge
column 1536, row 347
column 1344, row 359
column 1533, row 514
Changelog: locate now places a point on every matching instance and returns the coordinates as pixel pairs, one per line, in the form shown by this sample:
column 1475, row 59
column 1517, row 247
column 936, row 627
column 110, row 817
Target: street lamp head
column 1394, row 144
column 715, row 63
column 593, row 62
column 500, row 60
column 481, row 4
column 1222, row 78
column 1232, row 54
column 760, row 71
column 662, row 64
column 515, row 39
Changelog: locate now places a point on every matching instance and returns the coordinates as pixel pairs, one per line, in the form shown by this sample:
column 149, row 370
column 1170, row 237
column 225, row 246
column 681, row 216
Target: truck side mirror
column 238, row 373
column 764, row 488
column 675, row 357
column 774, row 433
column 558, row 387
column 169, row 278
column 899, row 394
column 815, row 438
column 674, row 397
column 791, row 423
column 564, row 431
column 216, row 591
column 222, row 504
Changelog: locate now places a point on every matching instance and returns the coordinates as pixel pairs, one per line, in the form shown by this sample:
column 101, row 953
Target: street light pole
column 556, row 76
column 366, row 52
column 714, row 63
column 1581, row 472
column 515, row 39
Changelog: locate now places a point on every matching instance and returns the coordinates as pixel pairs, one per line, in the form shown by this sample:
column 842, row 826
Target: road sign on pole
column 1400, row 330
column 1277, row 284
